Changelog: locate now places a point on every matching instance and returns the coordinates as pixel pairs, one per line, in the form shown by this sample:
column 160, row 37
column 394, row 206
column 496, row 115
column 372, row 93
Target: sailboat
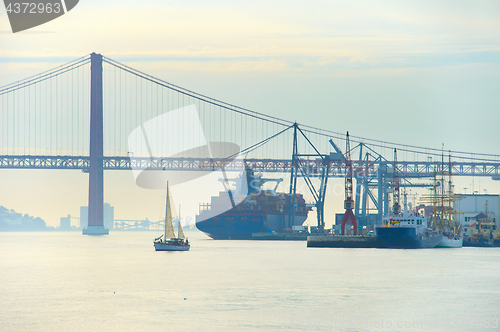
column 169, row 241
column 443, row 205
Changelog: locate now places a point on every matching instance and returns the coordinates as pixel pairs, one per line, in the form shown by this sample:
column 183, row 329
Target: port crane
column 298, row 165
column 348, row 202
column 396, row 207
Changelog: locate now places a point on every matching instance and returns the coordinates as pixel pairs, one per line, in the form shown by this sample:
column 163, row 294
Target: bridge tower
column 96, row 173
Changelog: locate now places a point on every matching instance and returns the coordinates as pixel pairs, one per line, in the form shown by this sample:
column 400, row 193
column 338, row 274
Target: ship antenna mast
column 348, row 202
column 396, row 208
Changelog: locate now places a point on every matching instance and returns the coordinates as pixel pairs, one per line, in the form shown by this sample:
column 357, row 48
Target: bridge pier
column 96, row 173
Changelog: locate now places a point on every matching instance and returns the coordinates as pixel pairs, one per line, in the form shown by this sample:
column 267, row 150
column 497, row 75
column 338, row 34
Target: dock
column 284, row 236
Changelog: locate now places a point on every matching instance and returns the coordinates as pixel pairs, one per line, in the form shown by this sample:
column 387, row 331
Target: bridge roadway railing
column 313, row 167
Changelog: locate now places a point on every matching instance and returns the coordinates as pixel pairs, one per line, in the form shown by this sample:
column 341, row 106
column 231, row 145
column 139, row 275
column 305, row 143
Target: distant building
column 471, row 207
column 109, row 216
column 65, row 223
column 84, row 216
column 424, row 210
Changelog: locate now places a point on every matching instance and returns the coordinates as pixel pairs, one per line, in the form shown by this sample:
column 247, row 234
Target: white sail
column 169, row 227
column 180, row 232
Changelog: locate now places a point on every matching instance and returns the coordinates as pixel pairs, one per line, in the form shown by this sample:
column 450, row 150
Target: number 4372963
column 34, row 8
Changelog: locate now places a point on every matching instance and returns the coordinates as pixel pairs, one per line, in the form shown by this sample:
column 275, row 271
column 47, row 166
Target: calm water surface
column 70, row 282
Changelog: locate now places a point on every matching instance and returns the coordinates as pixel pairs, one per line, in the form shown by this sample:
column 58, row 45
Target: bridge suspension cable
column 198, row 96
column 307, row 128
column 51, row 73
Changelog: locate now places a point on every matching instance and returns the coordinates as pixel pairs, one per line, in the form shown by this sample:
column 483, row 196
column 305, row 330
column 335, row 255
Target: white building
column 109, row 216
column 471, row 205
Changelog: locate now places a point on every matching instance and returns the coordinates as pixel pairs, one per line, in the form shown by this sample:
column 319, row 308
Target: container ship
column 230, row 216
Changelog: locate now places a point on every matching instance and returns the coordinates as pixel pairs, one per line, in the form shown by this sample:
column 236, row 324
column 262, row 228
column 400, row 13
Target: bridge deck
column 408, row 169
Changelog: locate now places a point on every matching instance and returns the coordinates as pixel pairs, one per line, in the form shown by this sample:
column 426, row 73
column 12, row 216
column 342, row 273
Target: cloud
column 322, row 38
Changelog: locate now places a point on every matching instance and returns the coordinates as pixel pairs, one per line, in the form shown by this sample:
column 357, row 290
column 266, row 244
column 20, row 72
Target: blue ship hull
column 231, row 227
column 405, row 238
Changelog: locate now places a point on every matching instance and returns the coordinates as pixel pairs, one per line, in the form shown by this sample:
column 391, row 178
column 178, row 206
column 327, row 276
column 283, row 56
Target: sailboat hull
column 170, row 247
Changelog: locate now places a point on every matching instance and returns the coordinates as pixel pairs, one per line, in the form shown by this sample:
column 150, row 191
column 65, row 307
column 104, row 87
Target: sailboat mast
column 179, row 227
column 166, row 214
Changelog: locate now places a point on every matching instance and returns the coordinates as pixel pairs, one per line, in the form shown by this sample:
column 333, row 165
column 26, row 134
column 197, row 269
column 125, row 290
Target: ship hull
column 405, row 238
column 447, row 242
column 241, row 227
column 231, row 227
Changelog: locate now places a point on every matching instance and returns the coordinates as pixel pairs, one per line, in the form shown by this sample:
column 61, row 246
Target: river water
column 64, row 281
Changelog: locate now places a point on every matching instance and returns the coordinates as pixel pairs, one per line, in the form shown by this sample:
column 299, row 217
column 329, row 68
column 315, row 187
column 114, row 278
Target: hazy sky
column 416, row 72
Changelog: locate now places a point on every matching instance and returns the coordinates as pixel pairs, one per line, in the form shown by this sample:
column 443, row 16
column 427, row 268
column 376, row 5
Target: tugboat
column 170, row 242
column 484, row 232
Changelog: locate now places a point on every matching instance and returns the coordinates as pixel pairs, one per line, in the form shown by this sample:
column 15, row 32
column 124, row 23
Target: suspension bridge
column 80, row 116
